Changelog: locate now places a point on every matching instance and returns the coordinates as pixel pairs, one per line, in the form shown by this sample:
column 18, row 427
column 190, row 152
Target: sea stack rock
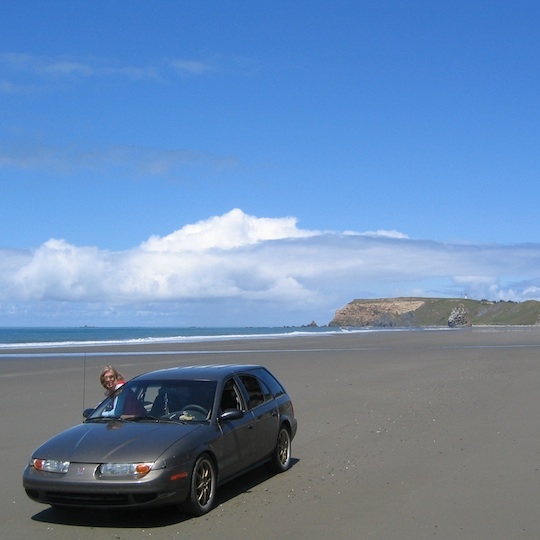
column 458, row 317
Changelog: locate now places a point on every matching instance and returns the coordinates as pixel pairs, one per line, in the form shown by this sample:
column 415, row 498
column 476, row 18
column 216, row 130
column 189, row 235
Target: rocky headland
column 422, row 312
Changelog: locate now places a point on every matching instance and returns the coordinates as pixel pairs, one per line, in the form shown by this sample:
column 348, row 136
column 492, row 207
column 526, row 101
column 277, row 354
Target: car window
column 266, row 391
column 147, row 394
column 272, row 383
column 231, row 397
column 253, row 388
column 162, row 398
column 123, row 402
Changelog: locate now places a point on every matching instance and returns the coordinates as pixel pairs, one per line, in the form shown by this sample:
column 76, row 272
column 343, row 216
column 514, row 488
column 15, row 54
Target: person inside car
column 110, row 379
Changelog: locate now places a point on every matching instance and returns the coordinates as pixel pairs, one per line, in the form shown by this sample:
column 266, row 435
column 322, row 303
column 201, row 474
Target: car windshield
column 181, row 401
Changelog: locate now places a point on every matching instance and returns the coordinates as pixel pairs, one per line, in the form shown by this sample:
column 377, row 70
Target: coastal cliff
column 421, row 312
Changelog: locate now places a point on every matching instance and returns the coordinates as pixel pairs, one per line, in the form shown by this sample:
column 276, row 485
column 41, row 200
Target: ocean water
column 19, row 337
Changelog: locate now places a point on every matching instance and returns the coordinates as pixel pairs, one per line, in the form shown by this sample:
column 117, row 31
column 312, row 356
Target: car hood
column 114, row 441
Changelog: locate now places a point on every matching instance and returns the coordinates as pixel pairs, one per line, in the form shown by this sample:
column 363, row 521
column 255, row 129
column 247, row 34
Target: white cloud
column 235, row 265
column 133, row 161
column 382, row 233
column 42, row 66
column 231, row 230
column 66, row 68
column 532, row 292
column 9, row 87
column 191, row 67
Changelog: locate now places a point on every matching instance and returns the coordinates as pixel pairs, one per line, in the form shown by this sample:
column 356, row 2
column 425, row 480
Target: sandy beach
column 402, row 435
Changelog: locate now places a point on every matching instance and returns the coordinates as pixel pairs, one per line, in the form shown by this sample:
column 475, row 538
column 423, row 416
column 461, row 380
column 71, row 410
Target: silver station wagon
column 167, row 437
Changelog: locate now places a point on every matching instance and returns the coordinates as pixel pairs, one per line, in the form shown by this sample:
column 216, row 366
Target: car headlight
column 50, row 465
column 125, row 470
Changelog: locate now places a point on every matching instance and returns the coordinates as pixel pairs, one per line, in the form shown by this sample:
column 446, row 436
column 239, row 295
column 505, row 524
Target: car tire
column 203, row 486
column 281, row 458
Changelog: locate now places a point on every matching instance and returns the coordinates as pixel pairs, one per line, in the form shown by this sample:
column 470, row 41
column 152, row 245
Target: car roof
column 206, row 372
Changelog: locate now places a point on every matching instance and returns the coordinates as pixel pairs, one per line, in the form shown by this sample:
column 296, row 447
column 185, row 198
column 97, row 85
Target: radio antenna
column 84, row 381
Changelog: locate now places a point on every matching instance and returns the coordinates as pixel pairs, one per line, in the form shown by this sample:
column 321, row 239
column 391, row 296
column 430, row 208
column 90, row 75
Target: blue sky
column 263, row 163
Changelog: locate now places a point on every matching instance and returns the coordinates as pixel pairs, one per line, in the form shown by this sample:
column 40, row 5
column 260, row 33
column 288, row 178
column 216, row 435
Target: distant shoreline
column 170, row 346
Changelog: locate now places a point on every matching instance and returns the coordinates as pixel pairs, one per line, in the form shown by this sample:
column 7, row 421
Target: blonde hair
column 114, row 371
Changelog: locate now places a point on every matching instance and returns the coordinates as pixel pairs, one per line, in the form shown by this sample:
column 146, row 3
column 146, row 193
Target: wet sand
column 402, row 435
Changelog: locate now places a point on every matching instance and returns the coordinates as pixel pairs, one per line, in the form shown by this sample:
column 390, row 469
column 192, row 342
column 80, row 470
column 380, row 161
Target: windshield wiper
column 104, row 419
column 142, row 417
column 150, row 418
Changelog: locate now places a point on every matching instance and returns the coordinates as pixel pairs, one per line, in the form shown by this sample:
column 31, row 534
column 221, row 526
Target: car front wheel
column 203, row 486
column 281, row 459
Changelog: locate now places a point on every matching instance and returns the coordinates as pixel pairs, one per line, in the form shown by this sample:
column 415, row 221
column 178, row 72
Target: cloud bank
column 238, row 269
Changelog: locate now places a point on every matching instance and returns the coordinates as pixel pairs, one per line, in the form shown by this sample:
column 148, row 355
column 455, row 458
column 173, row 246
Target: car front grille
column 91, row 499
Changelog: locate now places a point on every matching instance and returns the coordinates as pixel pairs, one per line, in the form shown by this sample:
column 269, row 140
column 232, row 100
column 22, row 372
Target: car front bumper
column 81, row 487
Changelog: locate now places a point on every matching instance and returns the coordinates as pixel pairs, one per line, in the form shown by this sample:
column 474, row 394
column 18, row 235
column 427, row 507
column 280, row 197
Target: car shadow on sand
column 151, row 517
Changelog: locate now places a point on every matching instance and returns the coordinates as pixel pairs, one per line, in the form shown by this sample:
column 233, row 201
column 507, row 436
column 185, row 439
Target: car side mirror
column 87, row 412
column 230, row 414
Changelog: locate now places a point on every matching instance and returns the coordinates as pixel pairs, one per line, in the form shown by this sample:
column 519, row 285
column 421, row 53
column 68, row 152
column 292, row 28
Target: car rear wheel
column 281, row 458
column 203, row 486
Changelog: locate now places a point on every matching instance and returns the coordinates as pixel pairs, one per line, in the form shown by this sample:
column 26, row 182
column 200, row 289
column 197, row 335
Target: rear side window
column 267, row 394
column 273, row 384
column 253, row 388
